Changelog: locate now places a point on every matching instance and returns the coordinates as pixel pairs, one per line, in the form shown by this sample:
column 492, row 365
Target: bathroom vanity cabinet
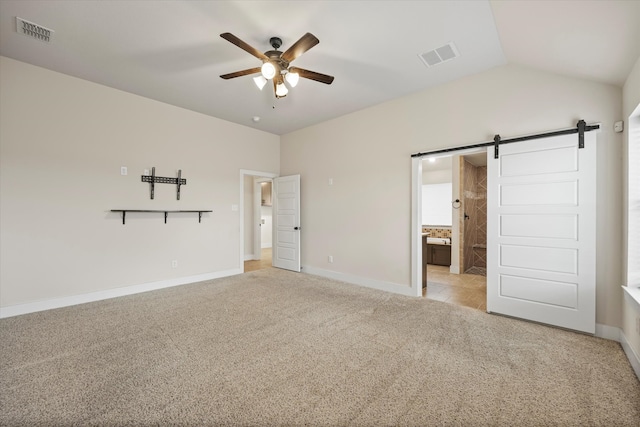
column 438, row 254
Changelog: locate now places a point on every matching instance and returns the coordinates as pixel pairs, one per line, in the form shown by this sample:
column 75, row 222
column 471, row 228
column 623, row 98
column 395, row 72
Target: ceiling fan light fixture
column 260, row 81
column 292, row 78
column 268, row 70
column 281, row 89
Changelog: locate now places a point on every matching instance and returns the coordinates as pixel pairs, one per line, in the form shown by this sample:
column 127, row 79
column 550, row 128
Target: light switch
column 123, row 170
column 234, row 207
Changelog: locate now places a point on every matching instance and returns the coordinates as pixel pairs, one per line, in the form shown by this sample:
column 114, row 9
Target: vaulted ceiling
column 172, row 51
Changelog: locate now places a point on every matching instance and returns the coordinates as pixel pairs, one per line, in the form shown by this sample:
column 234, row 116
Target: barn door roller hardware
column 153, row 179
column 580, row 129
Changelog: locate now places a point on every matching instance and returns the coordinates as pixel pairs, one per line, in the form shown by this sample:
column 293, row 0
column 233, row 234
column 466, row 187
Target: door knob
column 296, row 228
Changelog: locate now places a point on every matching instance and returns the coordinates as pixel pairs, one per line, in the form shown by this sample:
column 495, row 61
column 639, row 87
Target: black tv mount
column 153, row 179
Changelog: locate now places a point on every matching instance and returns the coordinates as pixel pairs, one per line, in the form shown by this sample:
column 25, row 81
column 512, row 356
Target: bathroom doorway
column 459, row 231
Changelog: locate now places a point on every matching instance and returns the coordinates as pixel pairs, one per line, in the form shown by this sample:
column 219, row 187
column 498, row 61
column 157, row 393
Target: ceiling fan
column 276, row 64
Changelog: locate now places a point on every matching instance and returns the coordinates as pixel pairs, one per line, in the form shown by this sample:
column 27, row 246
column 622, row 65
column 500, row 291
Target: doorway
column 256, row 217
column 263, row 225
column 453, row 225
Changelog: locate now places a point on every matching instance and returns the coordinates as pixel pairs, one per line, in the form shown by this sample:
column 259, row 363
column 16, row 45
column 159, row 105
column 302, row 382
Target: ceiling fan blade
column 241, row 73
column 244, row 46
column 305, row 43
column 312, row 75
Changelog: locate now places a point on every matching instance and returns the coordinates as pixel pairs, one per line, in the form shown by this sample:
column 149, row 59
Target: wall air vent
column 35, row 31
column 442, row 54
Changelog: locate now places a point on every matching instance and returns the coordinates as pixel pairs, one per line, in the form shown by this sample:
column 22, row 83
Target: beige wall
column 631, row 311
column 363, row 219
column 62, row 143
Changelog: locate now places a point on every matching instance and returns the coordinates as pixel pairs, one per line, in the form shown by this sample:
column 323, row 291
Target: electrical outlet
column 174, row 263
column 330, row 259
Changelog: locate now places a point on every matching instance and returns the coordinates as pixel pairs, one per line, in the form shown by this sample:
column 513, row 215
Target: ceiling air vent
column 36, row 31
column 439, row 55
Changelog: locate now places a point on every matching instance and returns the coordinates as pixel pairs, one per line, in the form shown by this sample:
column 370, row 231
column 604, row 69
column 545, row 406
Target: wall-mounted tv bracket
column 153, row 179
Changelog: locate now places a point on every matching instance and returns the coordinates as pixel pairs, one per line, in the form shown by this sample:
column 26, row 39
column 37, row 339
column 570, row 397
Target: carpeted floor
column 272, row 347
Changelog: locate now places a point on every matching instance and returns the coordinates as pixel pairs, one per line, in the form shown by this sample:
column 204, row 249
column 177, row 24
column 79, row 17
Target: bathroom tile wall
column 473, row 220
column 441, row 232
column 480, row 245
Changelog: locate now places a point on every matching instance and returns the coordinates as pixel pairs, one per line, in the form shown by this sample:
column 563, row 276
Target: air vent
column 442, row 54
column 33, row 30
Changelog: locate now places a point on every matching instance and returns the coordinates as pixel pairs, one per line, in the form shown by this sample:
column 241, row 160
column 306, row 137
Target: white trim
column 416, row 227
column 361, row 281
column 608, row 332
column 634, row 358
column 632, row 294
column 32, row 307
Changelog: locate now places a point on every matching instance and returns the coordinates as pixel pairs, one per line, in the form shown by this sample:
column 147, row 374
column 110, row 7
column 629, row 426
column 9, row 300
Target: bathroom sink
column 438, row 241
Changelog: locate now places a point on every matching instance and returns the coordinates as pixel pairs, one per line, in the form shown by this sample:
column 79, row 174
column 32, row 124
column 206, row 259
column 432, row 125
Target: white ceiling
column 171, row 50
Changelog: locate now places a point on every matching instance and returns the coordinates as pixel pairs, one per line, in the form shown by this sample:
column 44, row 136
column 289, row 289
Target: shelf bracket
column 165, row 212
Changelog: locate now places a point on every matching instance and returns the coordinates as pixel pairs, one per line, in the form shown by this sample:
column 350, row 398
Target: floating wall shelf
column 166, row 213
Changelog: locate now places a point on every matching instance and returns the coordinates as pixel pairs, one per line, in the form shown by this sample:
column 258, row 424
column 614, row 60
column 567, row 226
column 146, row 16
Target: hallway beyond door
column 263, row 262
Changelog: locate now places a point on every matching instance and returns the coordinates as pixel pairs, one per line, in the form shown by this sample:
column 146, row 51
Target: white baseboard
column 360, row 281
column 32, row 307
column 249, row 257
column 608, row 332
column 633, row 357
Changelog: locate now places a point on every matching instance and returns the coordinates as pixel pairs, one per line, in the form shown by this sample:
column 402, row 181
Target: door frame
column 255, row 174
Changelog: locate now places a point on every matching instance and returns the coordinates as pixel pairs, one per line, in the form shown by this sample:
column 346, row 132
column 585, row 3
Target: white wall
column 62, row 143
column 363, row 220
column 631, row 310
column 436, row 177
column 266, row 231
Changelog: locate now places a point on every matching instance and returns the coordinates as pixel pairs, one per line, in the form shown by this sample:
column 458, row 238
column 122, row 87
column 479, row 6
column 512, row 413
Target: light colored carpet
column 272, row 347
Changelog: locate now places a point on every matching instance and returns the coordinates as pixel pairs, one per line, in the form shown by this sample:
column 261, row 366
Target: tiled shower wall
column 473, row 217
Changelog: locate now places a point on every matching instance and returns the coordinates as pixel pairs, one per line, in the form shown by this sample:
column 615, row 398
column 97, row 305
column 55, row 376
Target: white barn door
column 541, row 231
column 286, row 223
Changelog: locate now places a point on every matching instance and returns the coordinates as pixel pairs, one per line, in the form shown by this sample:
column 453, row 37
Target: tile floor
column 461, row 289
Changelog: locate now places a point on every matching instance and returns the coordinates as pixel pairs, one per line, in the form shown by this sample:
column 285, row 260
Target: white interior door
column 541, row 231
column 286, row 222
